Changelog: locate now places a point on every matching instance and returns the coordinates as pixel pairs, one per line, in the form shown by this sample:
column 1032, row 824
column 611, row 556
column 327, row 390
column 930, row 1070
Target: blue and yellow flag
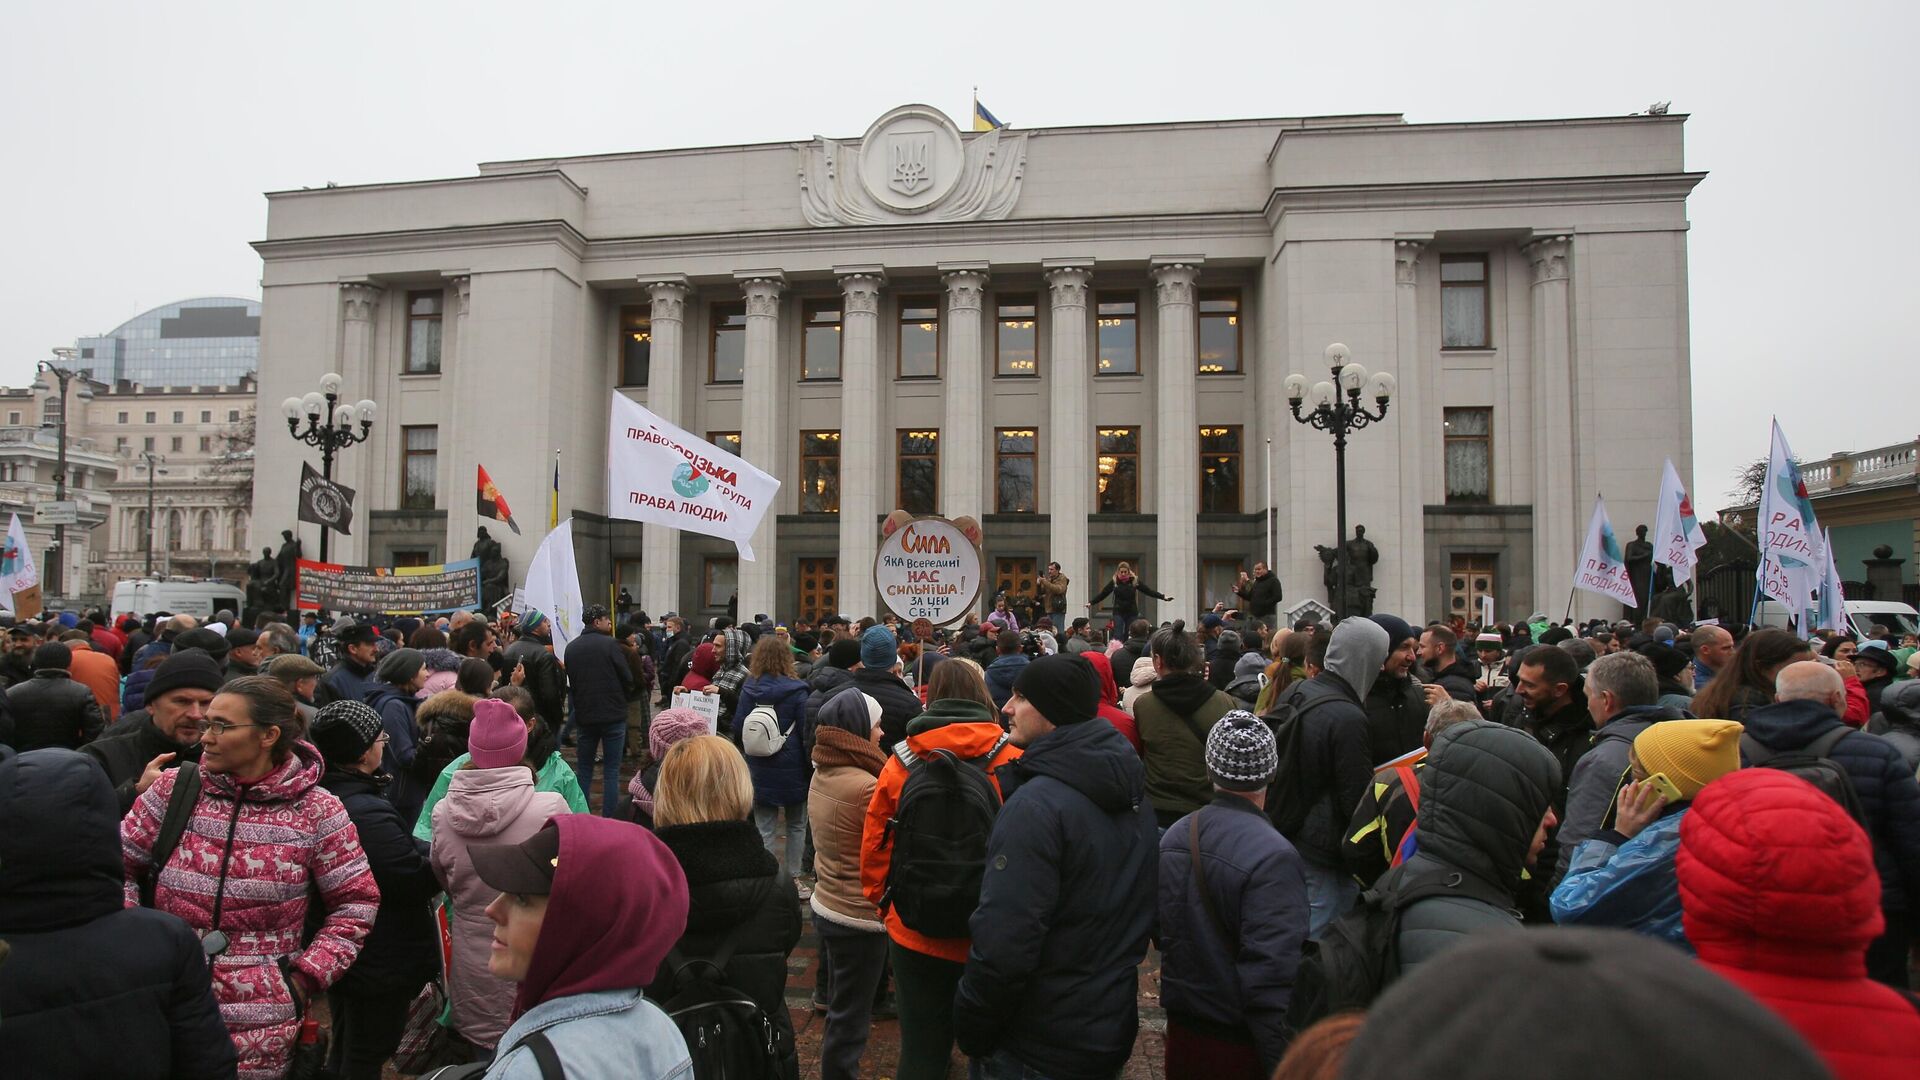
column 984, row 120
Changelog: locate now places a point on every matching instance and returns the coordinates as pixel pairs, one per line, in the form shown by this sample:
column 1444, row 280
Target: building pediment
column 912, row 165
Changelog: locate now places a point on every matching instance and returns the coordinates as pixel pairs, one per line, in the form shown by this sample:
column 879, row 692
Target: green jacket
column 555, row 776
column 1174, row 752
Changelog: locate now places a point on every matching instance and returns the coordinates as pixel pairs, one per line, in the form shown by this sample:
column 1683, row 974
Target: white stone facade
column 1323, row 230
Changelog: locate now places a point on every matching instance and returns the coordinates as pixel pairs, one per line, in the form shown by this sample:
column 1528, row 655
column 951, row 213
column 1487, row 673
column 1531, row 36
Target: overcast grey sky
column 139, row 137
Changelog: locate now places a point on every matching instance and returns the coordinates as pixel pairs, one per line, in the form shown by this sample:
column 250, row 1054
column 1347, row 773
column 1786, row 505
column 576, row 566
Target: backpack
column 761, row 736
column 180, row 802
column 1295, row 787
column 729, row 1036
column 536, row 1042
column 939, row 836
column 1813, row 764
column 1357, row 956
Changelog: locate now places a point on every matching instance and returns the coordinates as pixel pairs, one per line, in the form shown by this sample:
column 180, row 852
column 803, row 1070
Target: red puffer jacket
column 1781, row 898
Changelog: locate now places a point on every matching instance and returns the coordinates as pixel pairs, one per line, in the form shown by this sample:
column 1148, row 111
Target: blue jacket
column 1889, row 795
column 396, row 711
column 1595, row 779
column 1629, row 884
column 345, row 681
column 1001, row 675
column 1258, row 886
column 1065, row 910
column 780, row 780
column 601, row 1033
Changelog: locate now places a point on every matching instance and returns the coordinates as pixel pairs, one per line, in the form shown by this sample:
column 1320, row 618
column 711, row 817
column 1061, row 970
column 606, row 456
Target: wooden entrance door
column 819, row 588
column 1015, row 577
column 1469, row 579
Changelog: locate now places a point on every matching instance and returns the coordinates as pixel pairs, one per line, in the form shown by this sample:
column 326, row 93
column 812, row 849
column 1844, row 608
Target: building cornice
column 1452, row 194
column 503, row 234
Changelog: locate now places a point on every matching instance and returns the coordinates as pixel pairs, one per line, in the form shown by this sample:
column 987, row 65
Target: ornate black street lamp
column 1330, row 412
column 329, row 427
column 57, row 566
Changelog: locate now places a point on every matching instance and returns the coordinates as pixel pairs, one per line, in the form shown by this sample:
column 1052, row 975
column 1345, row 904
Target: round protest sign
column 928, row 569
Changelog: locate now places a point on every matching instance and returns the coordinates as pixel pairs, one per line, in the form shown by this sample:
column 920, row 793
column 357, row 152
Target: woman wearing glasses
column 264, row 839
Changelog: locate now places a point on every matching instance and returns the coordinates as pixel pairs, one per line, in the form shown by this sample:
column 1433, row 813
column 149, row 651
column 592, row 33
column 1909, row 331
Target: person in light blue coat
column 1624, row 876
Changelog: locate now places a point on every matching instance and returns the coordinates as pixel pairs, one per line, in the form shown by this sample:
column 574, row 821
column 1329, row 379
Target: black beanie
column 52, row 655
column 843, row 653
column 188, row 668
column 211, row 642
column 1063, row 688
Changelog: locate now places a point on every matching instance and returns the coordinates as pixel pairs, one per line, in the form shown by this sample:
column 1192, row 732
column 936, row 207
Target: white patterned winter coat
column 261, row 851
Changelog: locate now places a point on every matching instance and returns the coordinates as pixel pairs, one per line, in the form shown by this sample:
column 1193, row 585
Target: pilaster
column 1070, row 423
column 861, row 444
column 760, row 427
column 1556, row 502
column 1421, row 439
column 666, row 377
column 1177, row 426
column 963, row 465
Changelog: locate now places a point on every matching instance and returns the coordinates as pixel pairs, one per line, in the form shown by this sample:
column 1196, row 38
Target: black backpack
column 1813, row 764
column 728, row 1034
column 939, row 838
column 1357, row 956
column 536, row 1042
column 1297, row 784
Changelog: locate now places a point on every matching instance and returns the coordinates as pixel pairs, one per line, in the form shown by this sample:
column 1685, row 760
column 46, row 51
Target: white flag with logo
column 1603, row 568
column 662, row 475
column 17, row 571
column 1678, row 538
column 1832, row 613
column 1789, row 535
column 553, row 586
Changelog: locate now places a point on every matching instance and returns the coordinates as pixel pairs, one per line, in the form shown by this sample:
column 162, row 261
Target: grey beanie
column 1241, row 755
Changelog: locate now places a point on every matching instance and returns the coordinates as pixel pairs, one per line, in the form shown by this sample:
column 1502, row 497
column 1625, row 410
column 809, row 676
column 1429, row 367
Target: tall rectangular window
column 1217, row 579
column 1469, row 455
column 419, row 466
column 233, row 416
column 726, row 440
column 919, row 472
column 206, row 416
column 729, row 322
column 206, row 444
column 719, row 580
column 16, row 418
column 636, row 345
column 152, row 416
column 820, row 356
column 179, row 416
column 919, row 337
column 1016, row 470
column 1117, row 465
column 819, row 472
column 176, row 444
column 423, row 332
column 1119, row 334
column 147, row 443
column 1016, row 337
column 1220, row 332
column 1465, row 300
column 1220, row 470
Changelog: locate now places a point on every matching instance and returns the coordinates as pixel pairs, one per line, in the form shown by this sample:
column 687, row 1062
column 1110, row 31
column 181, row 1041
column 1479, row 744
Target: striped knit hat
column 1241, row 755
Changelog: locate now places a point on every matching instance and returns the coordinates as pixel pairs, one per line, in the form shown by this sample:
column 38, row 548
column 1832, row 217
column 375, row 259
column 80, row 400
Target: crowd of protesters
column 1709, row 837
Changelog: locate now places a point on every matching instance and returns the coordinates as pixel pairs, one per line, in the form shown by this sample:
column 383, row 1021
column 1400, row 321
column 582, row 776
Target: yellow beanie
column 1693, row 753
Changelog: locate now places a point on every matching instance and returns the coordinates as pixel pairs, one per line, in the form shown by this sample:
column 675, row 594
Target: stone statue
column 1361, row 555
column 287, row 561
column 1361, row 558
column 493, row 569
column 263, row 583
column 1639, row 556
column 1330, row 560
column 1673, row 605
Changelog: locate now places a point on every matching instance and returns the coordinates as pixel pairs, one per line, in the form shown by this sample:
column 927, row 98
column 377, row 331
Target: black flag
column 324, row 502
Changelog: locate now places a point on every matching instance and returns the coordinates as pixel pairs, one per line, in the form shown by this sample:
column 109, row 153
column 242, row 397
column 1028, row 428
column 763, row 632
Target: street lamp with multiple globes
column 153, row 465
column 1329, row 412
column 329, row 426
column 63, row 373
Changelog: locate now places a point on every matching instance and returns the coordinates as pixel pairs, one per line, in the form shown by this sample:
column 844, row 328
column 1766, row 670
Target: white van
column 145, row 596
column 1863, row 614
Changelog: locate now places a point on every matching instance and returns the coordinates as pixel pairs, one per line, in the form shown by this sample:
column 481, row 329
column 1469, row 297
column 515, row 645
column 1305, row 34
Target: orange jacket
column 968, row 740
column 99, row 673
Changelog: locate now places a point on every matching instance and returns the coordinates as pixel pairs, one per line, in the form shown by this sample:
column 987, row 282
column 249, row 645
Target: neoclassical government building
column 1077, row 335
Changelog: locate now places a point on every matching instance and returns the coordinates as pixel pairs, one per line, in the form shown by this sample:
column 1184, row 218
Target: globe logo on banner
column 688, row 481
column 1610, row 543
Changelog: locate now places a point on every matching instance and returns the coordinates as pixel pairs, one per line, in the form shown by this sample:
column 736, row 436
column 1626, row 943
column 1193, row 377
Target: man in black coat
column 51, row 709
column 369, row 1003
column 1396, row 704
column 1138, row 644
column 1261, row 592
column 601, row 680
column 675, row 653
column 544, row 679
column 91, row 987
column 1442, row 665
column 351, row 676
column 169, row 733
column 1052, row 980
column 878, row 676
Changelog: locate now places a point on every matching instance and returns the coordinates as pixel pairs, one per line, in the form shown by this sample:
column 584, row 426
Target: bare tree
column 1749, row 479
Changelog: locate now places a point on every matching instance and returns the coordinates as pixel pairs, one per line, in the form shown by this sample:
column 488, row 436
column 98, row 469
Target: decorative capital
column 1173, row 283
column 462, row 293
column 356, row 301
column 1068, row 286
column 862, row 292
column 1406, row 260
column 1548, row 257
column 762, row 291
column 669, row 300
column 965, row 289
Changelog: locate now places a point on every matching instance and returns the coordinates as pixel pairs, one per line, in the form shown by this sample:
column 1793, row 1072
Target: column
column 1070, row 475
column 861, row 446
column 963, row 447
column 760, row 430
column 1420, row 433
column 353, row 466
column 463, row 428
column 1556, row 500
column 1177, row 425
column 660, row 547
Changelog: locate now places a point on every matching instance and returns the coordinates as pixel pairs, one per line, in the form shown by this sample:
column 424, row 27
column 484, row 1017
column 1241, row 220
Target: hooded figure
column 1110, row 709
column 735, row 647
column 701, row 668
column 92, row 989
column 1898, row 720
column 1139, row 680
column 601, row 937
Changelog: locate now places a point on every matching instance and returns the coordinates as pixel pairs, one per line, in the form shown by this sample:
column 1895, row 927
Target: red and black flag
column 490, row 503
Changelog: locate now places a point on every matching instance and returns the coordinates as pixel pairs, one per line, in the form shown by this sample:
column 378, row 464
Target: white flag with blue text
column 1788, row 534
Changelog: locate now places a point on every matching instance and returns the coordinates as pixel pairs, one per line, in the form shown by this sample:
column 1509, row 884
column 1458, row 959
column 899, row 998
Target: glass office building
column 207, row 341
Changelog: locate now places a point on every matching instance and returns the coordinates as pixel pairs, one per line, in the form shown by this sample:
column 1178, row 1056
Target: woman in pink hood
column 490, row 801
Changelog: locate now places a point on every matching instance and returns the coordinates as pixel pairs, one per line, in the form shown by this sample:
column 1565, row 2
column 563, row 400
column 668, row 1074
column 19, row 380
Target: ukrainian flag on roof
column 984, row 120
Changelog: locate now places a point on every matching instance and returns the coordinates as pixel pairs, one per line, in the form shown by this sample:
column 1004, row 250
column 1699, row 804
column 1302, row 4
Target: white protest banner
column 707, row 705
column 17, row 571
column 1678, row 537
column 553, row 586
column 660, row 474
column 1603, row 569
column 1789, row 535
column 928, row 569
column 1486, row 609
column 1831, row 613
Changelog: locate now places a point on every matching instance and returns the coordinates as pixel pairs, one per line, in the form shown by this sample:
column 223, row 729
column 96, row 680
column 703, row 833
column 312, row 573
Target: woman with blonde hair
column 743, row 912
column 780, row 777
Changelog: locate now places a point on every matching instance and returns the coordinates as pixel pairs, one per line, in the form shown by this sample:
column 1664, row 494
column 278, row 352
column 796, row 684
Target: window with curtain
column 1469, row 455
column 420, row 460
column 819, row 472
column 423, row 332
column 1464, row 302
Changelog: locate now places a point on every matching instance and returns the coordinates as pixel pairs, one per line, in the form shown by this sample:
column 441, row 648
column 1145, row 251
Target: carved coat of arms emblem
column 912, row 162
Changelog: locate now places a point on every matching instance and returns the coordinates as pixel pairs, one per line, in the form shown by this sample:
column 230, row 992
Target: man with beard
column 177, row 700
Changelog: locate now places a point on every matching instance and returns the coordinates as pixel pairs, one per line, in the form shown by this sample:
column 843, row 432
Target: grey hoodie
column 1358, row 648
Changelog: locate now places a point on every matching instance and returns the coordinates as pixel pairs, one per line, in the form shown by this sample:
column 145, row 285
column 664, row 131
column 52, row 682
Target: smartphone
column 1665, row 787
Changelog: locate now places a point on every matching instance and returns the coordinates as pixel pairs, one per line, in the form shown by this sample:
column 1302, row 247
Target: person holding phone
column 1623, row 876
